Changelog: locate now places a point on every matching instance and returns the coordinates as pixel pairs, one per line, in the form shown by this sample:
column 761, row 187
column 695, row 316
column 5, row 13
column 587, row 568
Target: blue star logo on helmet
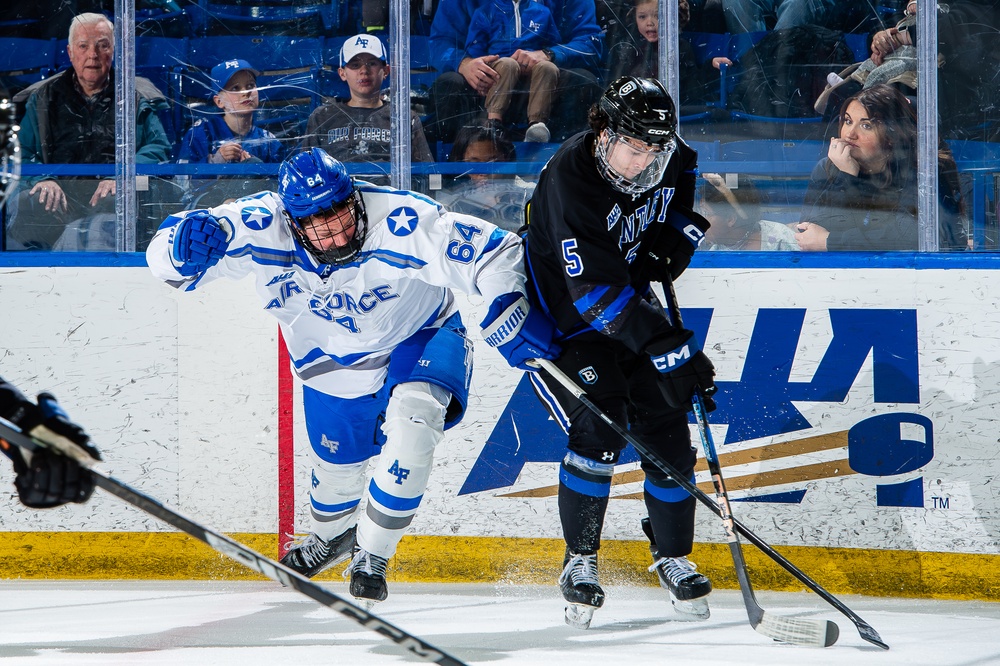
column 402, row 221
column 256, row 217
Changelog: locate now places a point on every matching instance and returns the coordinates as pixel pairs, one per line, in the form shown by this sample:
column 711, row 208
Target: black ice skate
column 367, row 574
column 310, row 554
column 688, row 589
column 580, row 588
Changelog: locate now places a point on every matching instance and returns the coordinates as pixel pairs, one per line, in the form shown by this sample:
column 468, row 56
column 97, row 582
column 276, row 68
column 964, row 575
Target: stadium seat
column 302, row 18
column 25, row 61
column 162, row 60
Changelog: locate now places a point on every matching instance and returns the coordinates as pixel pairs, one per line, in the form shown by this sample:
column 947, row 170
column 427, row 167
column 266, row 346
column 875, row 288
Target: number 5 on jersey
column 574, row 264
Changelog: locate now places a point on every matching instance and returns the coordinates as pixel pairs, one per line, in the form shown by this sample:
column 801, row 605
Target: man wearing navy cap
column 357, row 129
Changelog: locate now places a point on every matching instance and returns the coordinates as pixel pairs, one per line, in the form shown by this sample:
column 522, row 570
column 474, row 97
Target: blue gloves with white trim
column 199, row 242
column 683, row 367
column 519, row 332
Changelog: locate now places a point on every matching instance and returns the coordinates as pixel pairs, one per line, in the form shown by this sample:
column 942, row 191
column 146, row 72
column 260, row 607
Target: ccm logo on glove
column 676, row 357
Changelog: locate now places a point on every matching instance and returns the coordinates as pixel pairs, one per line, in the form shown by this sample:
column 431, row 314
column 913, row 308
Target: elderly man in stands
column 70, row 119
column 458, row 94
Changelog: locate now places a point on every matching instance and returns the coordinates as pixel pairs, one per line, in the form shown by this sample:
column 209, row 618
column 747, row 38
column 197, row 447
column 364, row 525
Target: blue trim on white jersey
column 497, row 238
column 394, row 259
column 392, row 502
column 316, row 353
column 267, row 256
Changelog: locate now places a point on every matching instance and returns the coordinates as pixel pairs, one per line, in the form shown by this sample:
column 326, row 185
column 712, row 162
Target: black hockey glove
column 683, row 367
column 671, row 252
column 45, row 478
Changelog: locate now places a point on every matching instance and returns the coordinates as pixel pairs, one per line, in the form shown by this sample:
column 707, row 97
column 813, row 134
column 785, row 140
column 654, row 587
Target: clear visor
column 631, row 165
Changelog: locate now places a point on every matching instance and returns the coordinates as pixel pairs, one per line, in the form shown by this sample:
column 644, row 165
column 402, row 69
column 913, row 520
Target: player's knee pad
column 414, row 424
column 334, row 495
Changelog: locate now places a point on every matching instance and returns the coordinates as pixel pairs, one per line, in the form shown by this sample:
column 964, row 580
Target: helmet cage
column 617, row 157
column 322, row 223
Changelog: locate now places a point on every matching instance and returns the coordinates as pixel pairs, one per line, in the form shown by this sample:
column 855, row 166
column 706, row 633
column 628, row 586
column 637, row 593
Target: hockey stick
column 866, row 630
column 42, row 437
column 801, row 631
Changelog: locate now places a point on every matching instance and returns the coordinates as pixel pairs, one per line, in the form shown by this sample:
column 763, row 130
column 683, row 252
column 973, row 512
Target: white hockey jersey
column 341, row 323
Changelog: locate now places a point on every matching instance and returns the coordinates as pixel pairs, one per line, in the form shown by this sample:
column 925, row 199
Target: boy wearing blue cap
column 231, row 136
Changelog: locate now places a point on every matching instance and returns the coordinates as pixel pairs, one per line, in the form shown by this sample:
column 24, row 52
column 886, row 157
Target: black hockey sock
column 583, row 500
column 672, row 524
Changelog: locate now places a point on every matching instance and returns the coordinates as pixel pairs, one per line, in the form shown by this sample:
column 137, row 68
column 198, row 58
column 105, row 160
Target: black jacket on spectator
column 862, row 216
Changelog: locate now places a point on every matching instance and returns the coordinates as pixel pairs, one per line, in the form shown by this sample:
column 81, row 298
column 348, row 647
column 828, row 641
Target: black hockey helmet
column 641, row 108
column 633, row 151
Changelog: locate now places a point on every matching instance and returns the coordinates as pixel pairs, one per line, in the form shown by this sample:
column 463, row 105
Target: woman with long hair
column 863, row 195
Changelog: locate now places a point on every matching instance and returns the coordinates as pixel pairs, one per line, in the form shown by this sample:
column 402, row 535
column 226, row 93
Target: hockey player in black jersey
column 611, row 213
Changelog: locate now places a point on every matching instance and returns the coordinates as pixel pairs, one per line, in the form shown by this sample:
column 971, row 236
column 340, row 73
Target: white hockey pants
column 414, row 424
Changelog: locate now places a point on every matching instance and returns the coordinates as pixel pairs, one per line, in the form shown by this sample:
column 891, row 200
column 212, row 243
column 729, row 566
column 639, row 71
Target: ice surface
column 244, row 624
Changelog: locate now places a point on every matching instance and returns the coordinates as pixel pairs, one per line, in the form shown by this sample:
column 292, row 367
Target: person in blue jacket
column 457, row 95
column 508, row 29
column 230, row 136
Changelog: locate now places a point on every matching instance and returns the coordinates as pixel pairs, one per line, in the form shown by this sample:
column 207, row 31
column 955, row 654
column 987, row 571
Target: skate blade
column 579, row 616
column 367, row 604
column 691, row 610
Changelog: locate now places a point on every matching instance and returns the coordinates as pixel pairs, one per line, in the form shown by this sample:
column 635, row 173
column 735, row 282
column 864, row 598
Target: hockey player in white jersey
column 360, row 278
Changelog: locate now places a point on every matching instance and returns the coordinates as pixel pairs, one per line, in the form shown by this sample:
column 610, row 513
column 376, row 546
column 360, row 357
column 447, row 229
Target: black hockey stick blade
column 799, row 631
column 42, row 437
column 866, row 631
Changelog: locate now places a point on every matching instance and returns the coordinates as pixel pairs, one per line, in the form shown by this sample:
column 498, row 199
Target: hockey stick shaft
column 867, row 632
column 800, row 631
column 819, row 633
column 227, row 546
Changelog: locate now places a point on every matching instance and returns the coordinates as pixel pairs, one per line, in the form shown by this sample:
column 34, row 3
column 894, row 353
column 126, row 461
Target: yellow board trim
column 168, row 555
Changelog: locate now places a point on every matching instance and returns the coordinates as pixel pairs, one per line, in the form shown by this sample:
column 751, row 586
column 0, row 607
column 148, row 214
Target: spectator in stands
column 497, row 198
column 70, row 119
column 637, row 54
column 969, row 58
column 863, row 195
column 735, row 216
column 754, row 15
column 502, row 28
column 358, row 130
column 230, row 137
column 458, row 93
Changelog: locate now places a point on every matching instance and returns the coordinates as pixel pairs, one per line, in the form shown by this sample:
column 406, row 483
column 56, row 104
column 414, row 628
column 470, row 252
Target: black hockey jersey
column 587, row 242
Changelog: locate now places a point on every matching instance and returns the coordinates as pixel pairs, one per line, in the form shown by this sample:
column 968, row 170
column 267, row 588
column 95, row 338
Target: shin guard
column 584, row 488
column 414, row 424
